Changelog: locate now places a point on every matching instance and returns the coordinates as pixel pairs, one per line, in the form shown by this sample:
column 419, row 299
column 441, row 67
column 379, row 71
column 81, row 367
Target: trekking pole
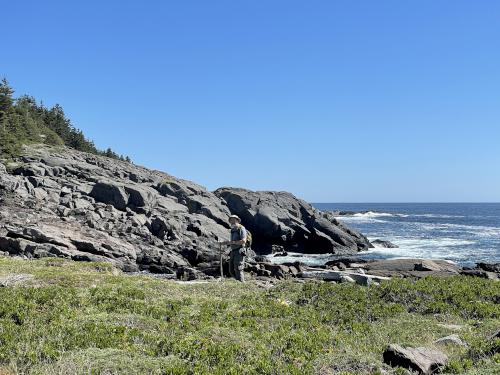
column 221, row 268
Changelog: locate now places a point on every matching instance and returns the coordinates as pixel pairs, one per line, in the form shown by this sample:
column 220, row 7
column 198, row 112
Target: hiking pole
column 221, row 268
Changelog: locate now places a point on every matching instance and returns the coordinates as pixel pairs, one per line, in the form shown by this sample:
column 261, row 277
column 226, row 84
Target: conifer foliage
column 23, row 121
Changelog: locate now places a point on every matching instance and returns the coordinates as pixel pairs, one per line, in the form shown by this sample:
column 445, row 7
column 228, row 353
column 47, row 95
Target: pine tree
column 24, row 121
column 6, row 100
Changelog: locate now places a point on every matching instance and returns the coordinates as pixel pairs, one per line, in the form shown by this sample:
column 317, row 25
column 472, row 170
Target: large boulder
column 279, row 218
column 110, row 193
column 422, row 360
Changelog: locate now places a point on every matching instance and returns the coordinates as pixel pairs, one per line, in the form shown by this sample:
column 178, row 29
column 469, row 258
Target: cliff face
column 283, row 221
column 65, row 203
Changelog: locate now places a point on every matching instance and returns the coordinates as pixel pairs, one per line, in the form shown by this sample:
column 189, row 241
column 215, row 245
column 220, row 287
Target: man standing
column 238, row 249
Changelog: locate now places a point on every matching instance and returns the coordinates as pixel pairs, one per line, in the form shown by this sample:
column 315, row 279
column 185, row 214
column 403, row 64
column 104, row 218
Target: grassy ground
column 84, row 318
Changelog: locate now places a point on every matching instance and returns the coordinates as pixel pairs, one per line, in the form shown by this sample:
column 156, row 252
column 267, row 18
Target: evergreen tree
column 25, row 121
column 6, row 99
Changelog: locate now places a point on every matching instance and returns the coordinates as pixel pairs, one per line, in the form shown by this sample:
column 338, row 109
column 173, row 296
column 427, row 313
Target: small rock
column 65, row 191
column 347, row 279
column 40, row 193
column 13, row 280
column 423, row 360
column 495, row 335
column 480, row 273
column 490, row 267
column 383, row 243
column 451, row 340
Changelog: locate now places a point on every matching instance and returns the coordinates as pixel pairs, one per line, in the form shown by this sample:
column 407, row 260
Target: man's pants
column 237, row 264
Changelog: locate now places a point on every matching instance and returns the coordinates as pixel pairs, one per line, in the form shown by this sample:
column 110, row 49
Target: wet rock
column 384, row 243
column 489, row 267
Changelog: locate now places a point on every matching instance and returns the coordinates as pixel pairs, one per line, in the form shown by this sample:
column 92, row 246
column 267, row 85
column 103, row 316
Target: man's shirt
column 237, row 234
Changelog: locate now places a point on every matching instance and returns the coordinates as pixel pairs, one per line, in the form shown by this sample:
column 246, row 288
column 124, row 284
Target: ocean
column 465, row 233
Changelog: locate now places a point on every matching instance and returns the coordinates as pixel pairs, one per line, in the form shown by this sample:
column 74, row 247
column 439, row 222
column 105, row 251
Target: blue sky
column 335, row 101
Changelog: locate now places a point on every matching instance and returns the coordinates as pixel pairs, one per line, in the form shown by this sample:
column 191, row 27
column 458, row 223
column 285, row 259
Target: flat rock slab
column 15, row 280
column 411, row 264
column 423, row 360
column 343, row 276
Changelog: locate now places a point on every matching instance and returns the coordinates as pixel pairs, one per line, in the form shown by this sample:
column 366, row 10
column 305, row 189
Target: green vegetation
column 24, row 121
column 88, row 318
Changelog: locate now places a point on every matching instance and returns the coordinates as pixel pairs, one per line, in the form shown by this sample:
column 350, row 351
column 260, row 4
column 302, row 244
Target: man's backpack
column 248, row 243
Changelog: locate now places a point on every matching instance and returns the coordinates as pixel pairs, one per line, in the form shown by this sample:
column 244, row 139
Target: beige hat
column 235, row 217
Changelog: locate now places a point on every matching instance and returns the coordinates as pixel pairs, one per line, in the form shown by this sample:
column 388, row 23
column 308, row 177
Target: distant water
column 464, row 233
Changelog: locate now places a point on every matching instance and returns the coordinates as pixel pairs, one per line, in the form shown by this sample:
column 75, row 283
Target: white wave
column 358, row 219
column 477, row 230
column 372, row 214
column 438, row 216
column 309, row 259
column 431, row 248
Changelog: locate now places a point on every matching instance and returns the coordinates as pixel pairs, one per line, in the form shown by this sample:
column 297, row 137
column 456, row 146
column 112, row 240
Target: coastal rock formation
column 280, row 219
column 58, row 202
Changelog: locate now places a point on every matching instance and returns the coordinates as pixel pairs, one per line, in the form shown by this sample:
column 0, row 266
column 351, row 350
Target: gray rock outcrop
column 58, row 202
column 280, row 219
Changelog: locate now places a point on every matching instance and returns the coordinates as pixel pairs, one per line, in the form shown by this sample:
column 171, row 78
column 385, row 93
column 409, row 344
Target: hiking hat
column 237, row 218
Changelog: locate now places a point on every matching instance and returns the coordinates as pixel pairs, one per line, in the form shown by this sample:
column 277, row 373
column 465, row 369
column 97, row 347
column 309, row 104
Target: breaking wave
column 463, row 232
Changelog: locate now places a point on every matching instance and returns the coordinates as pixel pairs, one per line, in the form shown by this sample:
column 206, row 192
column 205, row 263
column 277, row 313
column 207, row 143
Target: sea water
column 465, row 233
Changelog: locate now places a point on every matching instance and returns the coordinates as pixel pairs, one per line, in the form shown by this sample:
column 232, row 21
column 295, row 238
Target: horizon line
column 415, row 202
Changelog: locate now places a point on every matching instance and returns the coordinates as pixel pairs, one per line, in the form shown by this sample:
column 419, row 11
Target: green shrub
column 86, row 318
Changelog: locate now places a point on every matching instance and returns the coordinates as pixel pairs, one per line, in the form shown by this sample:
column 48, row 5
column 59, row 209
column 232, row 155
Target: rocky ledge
column 58, row 202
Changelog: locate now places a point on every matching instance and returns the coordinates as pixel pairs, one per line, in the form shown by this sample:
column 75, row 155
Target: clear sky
column 335, row 101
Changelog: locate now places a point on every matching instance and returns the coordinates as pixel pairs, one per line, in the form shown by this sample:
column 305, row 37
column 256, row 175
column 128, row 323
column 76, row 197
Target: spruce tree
column 6, row 100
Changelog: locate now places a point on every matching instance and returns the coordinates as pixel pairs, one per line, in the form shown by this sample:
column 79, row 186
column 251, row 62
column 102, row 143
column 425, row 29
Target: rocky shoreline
column 58, row 202
column 64, row 203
